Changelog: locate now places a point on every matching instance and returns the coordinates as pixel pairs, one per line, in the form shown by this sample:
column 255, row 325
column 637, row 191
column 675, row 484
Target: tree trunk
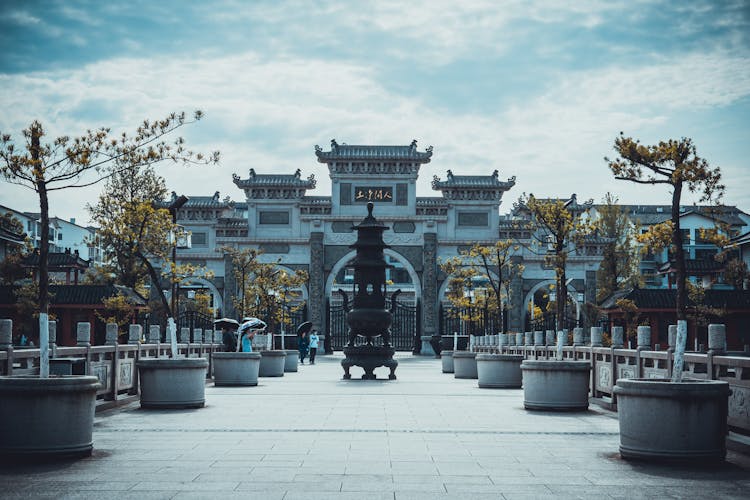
column 41, row 187
column 679, row 253
column 155, row 280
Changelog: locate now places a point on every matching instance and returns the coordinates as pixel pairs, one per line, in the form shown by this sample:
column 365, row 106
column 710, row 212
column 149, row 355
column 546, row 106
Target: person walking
column 313, row 345
column 303, row 344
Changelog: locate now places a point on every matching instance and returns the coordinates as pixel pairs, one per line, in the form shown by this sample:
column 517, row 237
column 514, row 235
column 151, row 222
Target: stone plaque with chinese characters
column 374, row 194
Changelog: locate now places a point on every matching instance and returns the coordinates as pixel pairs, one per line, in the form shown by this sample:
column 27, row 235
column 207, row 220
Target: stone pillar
column 184, row 335
column 519, row 338
column 717, row 338
column 528, row 338
column 52, row 334
column 672, row 336
column 644, row 337
column 578, row 336
column 539, row 337
column 516, row 293
column 198, row 335
column 230, row 288
column 317, row 297
column 135, row 332
column 208, row 336
column 549, row 337
column 154, row 334
column 83, row 335
column 589, row 295
column 6, row 333
column 618, row 336
column 111, row 334
column 596, row 336
column 429, row 295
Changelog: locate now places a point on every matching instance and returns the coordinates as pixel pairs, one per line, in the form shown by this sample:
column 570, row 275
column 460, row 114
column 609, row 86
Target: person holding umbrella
column 228, row 327
column 247, row 330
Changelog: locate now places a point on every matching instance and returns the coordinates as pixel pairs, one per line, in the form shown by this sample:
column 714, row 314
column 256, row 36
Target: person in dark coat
column 303, row 345
column 229, row 339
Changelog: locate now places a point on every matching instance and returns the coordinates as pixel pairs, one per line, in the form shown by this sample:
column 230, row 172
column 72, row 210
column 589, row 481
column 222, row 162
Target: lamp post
column 176, row 204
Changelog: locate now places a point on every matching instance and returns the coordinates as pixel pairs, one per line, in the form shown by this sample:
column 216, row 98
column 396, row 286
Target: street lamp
column 176, row 204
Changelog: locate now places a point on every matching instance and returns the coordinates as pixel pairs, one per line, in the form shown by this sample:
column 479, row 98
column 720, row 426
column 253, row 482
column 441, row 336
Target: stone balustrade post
column 528, row 338
column 717, row 338
column 6, row 333
column 83, row 334
column 578, row 338
column 596, row 336
column 218, row 337
column 52, row 333
column 519, row 338
column 538, row 337
column 618, row 336
column 209, row 336
column 644, row 337
column 112, row 331
column 198, row 335
column 184, row 335
column 154, row 334
column 135, row 332
column 550, row 337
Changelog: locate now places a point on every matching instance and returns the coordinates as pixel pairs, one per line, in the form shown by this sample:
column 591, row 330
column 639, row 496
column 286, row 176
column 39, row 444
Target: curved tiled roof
column 78, row 294
column 472, row 181
column 274, row 180
column 655, row 214
column 63, row 260
column 360, row 152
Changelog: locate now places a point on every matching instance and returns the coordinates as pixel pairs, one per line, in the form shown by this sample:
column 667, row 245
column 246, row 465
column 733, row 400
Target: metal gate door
column 404, row 328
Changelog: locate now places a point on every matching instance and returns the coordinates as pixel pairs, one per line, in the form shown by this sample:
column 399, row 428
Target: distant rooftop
column 360, row 152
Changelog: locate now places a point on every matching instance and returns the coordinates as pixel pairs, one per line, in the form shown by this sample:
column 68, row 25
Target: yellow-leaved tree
column 73, row 162
column 494, row 266
column 558, row 228
column 676, row 164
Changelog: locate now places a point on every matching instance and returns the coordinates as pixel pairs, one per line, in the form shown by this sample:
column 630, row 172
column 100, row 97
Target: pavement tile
column 424, row 436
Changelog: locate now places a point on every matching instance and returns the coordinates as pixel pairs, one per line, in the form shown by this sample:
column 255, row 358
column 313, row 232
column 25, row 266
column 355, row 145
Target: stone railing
column 645, row 361
column 113, row 364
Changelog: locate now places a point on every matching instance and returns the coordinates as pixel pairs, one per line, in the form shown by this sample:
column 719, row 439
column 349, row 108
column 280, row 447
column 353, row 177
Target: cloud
column 23, row 18
column 267, row 113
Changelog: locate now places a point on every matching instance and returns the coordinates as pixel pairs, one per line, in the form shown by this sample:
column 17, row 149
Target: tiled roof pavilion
column 373, row 153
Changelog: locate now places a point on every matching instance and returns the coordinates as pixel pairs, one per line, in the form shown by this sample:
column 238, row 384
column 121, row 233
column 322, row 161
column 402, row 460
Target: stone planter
column 662, row 420
column 499, row 370
column 464, row 364
column 447, row 360
column 236, row 368
column 292, row 361
column 47, row 417
column 556, row 385
column 173, row 383
column 272, row 363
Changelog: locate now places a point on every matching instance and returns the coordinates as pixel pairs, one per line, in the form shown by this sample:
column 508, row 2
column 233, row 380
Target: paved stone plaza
column 311, row 435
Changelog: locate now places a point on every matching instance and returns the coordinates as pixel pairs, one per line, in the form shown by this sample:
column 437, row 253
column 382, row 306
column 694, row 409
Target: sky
column 536, row 89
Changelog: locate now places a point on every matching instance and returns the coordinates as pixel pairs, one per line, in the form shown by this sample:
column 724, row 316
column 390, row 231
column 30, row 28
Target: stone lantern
column 368, row 317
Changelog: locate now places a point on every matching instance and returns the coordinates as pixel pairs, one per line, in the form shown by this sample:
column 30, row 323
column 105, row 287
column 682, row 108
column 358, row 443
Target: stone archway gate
column 405, row 329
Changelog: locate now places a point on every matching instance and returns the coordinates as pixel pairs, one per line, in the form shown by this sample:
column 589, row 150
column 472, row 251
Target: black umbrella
column 228, row 323
column 304, row 327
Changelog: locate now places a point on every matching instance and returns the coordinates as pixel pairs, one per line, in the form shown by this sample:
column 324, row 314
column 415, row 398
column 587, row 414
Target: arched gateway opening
column 403, row 297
